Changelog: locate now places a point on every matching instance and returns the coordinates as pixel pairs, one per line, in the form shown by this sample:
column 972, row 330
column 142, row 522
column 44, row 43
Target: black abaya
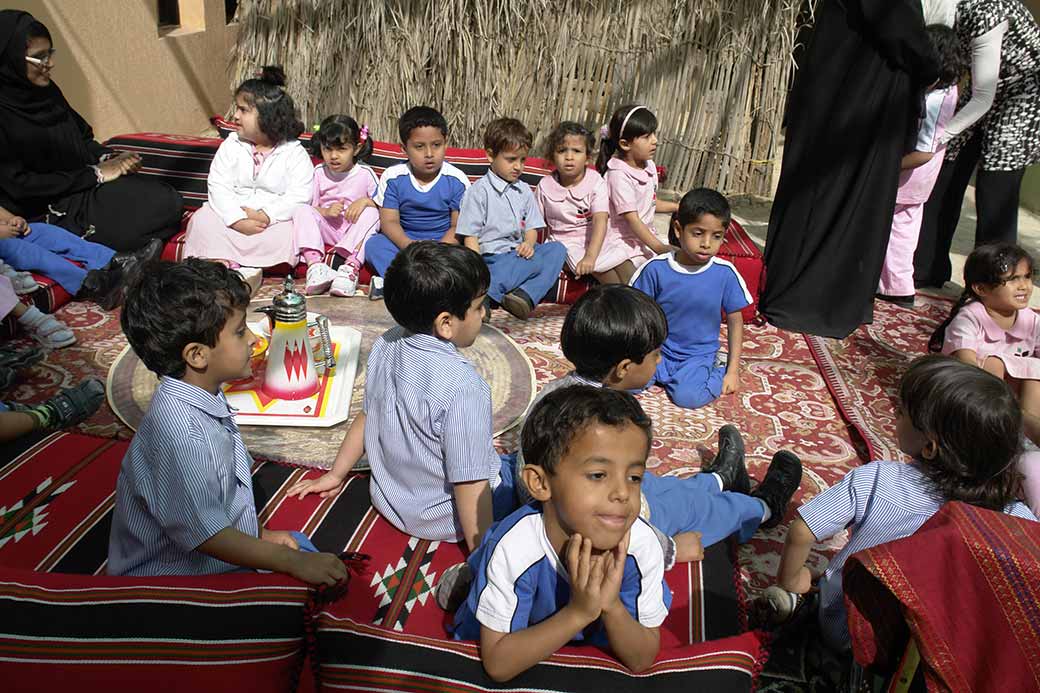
column 850, row 116
column 46, row 156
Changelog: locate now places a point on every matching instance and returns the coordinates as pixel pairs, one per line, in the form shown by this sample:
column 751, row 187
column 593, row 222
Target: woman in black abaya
column 850, row 118
column 51, row 168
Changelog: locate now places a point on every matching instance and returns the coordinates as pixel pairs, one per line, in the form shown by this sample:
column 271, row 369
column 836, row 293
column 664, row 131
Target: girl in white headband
column 625, row 159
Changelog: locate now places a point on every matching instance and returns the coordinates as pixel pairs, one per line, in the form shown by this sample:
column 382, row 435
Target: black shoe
column 518, row 304
column 17, row 359
column 487, row 310
column 729, row 461
column 128, row 260
column 103, row 286
column 779, row 485
column 904, row 301
column 77, row 404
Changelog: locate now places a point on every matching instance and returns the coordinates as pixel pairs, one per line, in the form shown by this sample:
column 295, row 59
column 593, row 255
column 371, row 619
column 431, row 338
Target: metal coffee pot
column 291, row 372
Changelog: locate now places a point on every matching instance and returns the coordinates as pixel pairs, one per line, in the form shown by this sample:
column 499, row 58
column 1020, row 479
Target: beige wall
column 117, row 71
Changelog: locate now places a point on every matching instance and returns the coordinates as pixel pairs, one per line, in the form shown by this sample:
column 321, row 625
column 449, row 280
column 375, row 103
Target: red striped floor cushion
column 183, row 162
column 242, row 632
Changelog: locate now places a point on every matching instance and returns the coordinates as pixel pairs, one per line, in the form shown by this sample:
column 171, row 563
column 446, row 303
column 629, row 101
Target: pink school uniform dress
column 631, row 190
column 347, row 238
column 275, row 183
column 974, row 329
column 915, row 186
column 568, row 214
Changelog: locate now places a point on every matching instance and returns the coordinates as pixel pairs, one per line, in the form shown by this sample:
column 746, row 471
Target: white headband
column 624, row 122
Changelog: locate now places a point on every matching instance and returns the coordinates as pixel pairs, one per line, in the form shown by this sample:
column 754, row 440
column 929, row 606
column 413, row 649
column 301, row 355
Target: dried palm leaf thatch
column 715, row 72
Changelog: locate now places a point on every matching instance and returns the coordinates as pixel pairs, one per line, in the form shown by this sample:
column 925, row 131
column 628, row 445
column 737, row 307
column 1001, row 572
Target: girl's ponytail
column 935, row 342
column 607, row 147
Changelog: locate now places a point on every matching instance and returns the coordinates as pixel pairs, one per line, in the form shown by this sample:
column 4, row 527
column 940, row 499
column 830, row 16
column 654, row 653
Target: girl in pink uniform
column 626, row 162
column 993, row 327
column 575, row 204
column 341, row 208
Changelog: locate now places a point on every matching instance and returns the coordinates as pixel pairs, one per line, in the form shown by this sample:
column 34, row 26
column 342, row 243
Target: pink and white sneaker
column 319, row 278
column 345, row 283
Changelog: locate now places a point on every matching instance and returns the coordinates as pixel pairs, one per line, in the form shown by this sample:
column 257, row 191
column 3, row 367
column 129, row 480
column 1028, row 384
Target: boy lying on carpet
column 184, row 498
column 578, row 565
column 426, row 417
column 613, row 336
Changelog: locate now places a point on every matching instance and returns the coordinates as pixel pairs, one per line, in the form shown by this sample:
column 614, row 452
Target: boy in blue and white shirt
column 418, row 200
column 694, row 288
column 577, row 564
column 500, row 220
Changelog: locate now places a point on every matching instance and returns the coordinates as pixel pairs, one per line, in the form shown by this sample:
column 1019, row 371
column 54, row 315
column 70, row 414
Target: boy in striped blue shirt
column 184, row 498
column 425, row 423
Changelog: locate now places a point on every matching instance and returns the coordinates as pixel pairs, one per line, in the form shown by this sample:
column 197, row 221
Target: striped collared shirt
column 185, row 477
column 879, row 502
column 427, row 427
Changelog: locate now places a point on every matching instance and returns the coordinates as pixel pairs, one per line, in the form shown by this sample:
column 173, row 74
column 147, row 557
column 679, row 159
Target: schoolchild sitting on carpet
column 694, row 287
column 259, row 176
column 500, row 220
column 425, row 422
column 184, row 498
column 992, row 326
column 418, row 200
column 613, row 336
column 342, row 211
column 962, row 427
column 578, row 564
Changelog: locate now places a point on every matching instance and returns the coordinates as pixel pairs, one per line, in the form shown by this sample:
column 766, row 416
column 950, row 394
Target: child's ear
column 537, row 482
column 930, row 449
column 490, row 155
column 621, row 370
column 624, row 145
column 196, row 355
column 444, row 325
column 980, row 290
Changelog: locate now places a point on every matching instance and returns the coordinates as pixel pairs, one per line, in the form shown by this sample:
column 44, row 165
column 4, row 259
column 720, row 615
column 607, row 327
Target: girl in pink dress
column 625, row 160
column 993, row 327
column 259, row 176
column 341, row 210
column 575, row 204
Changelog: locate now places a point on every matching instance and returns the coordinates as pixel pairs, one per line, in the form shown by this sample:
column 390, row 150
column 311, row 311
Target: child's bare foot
column 688, row 547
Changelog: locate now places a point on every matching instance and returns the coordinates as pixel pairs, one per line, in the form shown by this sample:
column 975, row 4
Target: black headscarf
column 19, row 96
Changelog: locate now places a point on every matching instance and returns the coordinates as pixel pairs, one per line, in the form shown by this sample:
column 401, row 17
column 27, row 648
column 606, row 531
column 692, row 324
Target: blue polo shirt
column 425, row 208
column 693, row 300
column 186, row 476
column 498, row 213
column 519, row 581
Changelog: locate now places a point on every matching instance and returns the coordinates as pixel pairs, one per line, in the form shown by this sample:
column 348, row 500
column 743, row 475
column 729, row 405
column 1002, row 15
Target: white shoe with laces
column 345, row 283
column 319, row 278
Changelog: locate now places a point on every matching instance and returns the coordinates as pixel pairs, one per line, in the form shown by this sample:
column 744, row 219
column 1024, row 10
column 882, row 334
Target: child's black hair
column 339, row 131
column 641, row 121
column 949, row 51
column 563, row 414
column 977, row 423
column 275, row 108
column 428, row 278
column 169, row 305
column 420, row 117
column 696, row 203
column 566, row 129
column 608, row 324
column 988, row 265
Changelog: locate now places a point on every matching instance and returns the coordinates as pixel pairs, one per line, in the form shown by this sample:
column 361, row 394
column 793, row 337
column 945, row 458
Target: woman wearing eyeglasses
column 51, row 167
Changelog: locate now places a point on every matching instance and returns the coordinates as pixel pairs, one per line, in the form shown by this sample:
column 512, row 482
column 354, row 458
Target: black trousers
column 996, row 202
column 125, row 213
